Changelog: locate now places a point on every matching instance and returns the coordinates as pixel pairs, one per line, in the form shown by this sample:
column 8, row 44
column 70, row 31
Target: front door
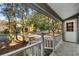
column 70, row 30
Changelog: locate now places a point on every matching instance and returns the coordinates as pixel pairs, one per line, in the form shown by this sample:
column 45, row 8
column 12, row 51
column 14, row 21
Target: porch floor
column 67, row 49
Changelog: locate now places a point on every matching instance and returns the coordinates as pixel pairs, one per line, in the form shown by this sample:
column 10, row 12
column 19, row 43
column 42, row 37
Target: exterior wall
column 71, row 36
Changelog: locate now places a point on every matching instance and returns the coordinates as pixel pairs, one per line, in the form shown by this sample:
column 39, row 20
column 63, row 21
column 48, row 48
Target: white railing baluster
column 42, row 49
column 24, row 53
column 32, row 50
column 39, row 50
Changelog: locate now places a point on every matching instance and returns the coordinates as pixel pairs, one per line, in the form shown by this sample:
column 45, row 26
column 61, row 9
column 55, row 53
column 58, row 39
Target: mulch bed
column 12, row 48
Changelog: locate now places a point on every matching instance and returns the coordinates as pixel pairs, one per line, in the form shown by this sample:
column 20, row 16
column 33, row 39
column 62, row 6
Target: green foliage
column 39, row 20
column 57, row 25
column 18, row 30
column 6, row 31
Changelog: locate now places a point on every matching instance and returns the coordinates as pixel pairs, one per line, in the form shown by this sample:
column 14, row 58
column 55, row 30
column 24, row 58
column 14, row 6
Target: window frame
column 70, row 26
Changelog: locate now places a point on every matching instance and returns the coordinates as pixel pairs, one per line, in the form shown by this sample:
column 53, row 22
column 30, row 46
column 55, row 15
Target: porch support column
column 63, row 38
column 78, row 29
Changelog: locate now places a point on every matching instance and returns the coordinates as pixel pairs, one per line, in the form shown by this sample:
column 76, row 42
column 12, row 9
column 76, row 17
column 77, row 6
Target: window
column 69, row 26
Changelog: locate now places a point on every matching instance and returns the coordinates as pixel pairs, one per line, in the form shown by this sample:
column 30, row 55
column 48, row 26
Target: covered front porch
column 50, row 43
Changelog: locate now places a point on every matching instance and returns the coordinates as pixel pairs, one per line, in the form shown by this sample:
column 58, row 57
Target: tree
column 5, row 10
column 22, row 12
column 38, row 20
column 56, row 25
column 9, row 10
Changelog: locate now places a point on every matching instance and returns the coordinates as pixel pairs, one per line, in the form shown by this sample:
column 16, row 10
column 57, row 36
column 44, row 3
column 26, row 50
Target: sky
column 2, row 17
column 30, row 10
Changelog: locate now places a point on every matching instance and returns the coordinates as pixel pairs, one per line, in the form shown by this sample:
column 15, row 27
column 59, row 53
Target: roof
column 65, row 10
column 61, row 11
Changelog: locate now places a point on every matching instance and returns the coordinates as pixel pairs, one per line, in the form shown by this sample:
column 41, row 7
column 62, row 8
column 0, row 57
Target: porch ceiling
column 65, row 10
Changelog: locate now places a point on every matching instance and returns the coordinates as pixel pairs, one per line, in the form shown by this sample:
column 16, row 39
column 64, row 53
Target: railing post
column 42, row 49
column 42, row 46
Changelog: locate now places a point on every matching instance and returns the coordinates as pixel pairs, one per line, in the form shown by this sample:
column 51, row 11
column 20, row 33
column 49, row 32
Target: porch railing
column 52, row 42
column 35, row 49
